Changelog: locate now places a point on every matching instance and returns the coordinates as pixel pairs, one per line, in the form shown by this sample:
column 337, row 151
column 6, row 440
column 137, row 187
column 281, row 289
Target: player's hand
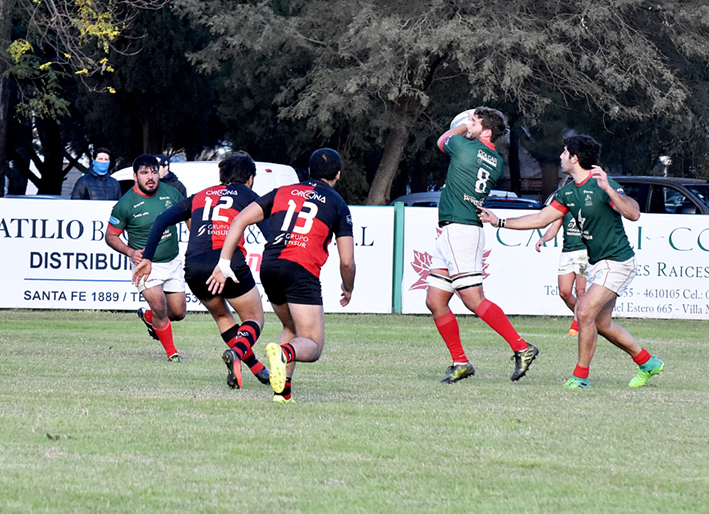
column 601, row 177
column 136, row 256
column 142, row 271
column 487, row 216
column 216, row 281
column 346, row 296
column 224, row 266
column 538, row 246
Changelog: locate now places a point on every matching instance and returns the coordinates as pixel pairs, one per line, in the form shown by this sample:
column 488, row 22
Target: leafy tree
column 161, row 103
column 54, row 44
column 371, row 73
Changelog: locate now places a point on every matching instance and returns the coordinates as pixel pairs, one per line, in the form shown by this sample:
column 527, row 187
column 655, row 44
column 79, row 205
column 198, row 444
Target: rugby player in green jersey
column 135, row 214
column 573, row 262
column 457, row 264
column 598, row 204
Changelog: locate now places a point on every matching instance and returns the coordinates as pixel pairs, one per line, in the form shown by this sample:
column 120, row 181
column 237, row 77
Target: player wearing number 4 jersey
column 456, row 267
column 210, row 213
column 598, row 204
column 304, row 217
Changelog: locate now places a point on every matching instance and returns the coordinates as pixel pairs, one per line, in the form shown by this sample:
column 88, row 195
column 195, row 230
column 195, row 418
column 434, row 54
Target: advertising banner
column 53, row 256
column 672, row 257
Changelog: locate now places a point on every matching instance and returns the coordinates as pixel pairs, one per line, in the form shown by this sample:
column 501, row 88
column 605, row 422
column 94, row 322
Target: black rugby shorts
column 289, row 282
column 198, row 268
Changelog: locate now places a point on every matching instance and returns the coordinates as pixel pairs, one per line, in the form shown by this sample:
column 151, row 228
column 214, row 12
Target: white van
column 198, row 175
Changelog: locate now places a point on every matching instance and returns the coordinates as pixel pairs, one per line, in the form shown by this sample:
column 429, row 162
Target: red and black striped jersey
column 304, row 217
column 212, row 211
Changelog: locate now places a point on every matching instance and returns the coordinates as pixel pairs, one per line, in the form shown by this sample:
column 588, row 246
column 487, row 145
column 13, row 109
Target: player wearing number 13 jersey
column 456, row 266
column 304, row 217
column 211, row 212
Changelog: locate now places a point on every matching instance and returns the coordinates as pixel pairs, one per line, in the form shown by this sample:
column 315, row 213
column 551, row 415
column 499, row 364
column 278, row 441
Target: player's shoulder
column 455, row 142
column 615, row 185
column 167, row 189
column 127, row 199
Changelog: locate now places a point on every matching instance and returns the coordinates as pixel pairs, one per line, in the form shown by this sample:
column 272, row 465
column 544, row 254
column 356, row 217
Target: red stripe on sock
column 289, row 352
column 252, row 362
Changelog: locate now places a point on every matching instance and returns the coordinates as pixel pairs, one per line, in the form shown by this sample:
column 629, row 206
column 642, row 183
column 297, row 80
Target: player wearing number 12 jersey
column 210, row 213
column 456, row 266
column 304, row 217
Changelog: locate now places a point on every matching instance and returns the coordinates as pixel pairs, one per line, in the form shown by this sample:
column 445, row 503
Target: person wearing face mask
column 97, row 184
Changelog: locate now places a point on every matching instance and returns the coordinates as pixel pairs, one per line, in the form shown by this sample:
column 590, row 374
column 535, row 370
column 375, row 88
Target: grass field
column 93, row 419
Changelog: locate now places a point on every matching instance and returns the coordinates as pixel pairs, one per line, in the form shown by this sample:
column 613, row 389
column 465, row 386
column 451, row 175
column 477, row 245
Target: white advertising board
column 53, row 256
column 672, row 257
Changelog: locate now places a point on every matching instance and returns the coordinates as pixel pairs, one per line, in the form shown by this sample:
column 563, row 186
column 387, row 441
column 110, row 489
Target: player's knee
column 317, row 353
column 566, row 294
column 179, row 315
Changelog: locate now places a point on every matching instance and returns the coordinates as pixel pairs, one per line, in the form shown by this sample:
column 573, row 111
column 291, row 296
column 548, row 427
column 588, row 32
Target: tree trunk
column 389, row 165
column 52, row 167
column 406, row 113
column 5, row 30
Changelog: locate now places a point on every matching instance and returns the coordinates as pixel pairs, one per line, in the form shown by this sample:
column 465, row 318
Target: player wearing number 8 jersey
column 304, row 217
column 211, row 212
column 456, row 267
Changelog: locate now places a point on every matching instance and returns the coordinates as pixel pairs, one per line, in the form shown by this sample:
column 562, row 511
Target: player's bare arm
column 458, row 130
column 345, row 248
column 549, row 234
column 114, row 241
column 253, row 213
column 626, row 206
column 538, row 220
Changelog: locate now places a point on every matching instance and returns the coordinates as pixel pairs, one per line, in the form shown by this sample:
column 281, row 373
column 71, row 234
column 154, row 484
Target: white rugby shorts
column 170, row 275
column 612, row 275
column 459, row 249
column 573, row 262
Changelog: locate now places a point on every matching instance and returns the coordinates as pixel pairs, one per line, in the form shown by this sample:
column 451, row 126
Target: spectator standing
column 167, row 176
column 97, row 183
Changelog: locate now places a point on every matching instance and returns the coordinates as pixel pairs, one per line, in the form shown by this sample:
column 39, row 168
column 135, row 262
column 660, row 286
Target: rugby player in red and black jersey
column 304, row 218
column 211, row 212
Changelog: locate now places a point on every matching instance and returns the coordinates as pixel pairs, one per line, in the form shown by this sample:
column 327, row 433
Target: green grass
column 93, row 419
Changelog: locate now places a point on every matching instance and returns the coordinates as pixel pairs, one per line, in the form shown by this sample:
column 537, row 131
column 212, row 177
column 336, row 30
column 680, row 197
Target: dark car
column 496, row 200
column 667, row 195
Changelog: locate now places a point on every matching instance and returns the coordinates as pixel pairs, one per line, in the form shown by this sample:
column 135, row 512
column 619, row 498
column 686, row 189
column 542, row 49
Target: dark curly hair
column 585, row 148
